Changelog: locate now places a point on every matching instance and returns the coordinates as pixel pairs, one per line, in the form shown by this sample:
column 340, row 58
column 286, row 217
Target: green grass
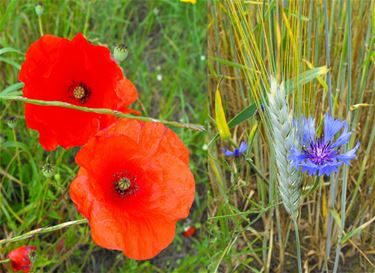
column 248, row 42
column 165, row 38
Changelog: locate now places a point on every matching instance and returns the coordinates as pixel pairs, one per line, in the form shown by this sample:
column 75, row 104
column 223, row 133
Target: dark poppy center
column 124, row 184
column 79, row 92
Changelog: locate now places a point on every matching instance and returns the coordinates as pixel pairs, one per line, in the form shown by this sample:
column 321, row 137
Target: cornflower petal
column 342, row 140
column 320, row 155
column 296, row 156
column 349, row 155
column 328, row 168
column 228, row 152
column 237, row 152
column 331, row 127
column 308, row 167
column 243, row 147
column 308, row 129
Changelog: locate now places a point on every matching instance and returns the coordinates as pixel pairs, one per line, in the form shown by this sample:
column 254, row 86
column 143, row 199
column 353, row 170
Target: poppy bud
column 48, row 170
column 22, row 258
column 189, row 231
column 11, row 121
column 156, row 11
column 39, row 9
column 120, row 53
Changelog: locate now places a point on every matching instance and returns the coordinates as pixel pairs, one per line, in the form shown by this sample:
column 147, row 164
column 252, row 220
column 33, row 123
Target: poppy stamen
column 79, row 92
column 124, row 185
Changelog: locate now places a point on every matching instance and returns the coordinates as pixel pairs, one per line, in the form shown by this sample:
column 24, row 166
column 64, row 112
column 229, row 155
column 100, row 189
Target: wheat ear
column 283, row 138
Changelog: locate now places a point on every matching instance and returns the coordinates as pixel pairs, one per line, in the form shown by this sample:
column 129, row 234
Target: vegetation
column 323, row 51
column 166, row 62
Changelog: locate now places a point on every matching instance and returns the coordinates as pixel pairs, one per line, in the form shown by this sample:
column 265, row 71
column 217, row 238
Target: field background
column 249, row 41
column 167, row 62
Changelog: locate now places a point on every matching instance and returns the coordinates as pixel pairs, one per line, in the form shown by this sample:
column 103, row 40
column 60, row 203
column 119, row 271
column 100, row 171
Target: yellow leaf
column 193, row 2
column 221, row 122
column 359, row 105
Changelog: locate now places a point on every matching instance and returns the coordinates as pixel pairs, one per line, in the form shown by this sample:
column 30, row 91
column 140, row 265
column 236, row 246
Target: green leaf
column 9, row 49
column 13, row 63
column 336, row 217
column 356, row 231
column 305, row 77
column 232, row 64
column 11, row 88
column 243, row 115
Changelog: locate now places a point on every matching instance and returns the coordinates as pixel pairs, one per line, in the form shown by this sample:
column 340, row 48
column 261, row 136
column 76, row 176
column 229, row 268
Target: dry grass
column 248, row 42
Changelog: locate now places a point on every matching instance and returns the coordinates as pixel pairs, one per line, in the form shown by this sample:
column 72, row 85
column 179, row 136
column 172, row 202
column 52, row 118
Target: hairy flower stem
column 103, row 111
column 40, row 24
column 43, row 230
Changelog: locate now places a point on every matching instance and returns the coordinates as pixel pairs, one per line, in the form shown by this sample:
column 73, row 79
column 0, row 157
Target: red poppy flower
column 77, row 72
column 20, row 258
column 189, row 231
column 133, row 185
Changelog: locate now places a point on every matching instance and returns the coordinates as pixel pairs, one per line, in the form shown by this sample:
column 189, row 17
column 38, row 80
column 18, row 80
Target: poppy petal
column 157, row 187
column 54, row 69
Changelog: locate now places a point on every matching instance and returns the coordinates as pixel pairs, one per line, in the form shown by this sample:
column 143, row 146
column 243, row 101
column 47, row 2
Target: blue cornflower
column 321, row 155
column 237, row 151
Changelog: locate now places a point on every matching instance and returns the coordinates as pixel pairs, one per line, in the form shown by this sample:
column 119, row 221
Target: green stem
column 103, row 111
column 345, row 175
column 332, row 182
column 4, row 261
column 328, row 61
column 298, row 245
column 40, row 25
column 259, row 173
column 42, row 231
column 19, row 168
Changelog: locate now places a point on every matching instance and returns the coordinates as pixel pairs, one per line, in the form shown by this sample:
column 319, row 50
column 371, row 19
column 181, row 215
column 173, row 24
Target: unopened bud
column 11, row 121
column 120, row 53
column 48, row 170
column 39, row 9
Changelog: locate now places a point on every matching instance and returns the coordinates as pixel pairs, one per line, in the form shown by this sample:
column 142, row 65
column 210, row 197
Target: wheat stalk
column 283, row 138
